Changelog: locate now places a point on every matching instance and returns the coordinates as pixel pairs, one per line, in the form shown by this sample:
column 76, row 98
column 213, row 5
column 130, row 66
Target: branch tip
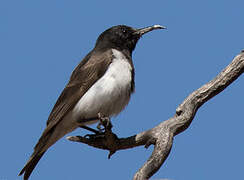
column 73, row 138
column 110, row 154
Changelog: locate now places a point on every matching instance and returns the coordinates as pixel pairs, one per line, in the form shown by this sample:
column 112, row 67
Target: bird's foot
column 105, row 122
column 100, row 133
column 96, row 136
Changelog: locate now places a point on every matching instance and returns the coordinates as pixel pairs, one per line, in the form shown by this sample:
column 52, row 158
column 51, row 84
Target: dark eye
column 124, row 31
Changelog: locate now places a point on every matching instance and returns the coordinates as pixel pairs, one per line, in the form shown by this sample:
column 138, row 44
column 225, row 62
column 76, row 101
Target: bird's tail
column 36, row 155
column 51, row 134
column 31, row 164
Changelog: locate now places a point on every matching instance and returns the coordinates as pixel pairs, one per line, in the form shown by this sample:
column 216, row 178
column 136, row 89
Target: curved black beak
column 148, row 29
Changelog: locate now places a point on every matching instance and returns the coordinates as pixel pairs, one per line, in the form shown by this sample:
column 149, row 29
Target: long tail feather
column 30, row 165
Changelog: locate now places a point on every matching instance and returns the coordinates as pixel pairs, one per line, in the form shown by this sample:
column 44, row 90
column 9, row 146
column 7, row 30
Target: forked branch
column 162, row 135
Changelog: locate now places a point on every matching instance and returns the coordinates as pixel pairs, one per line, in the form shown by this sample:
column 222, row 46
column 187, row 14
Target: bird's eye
column 124, row 31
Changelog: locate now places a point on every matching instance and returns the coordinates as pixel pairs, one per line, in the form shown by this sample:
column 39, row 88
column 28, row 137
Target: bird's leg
column 90, row 129
column 81, row 123
column 105, row 122
column 100, row 133
column 97, row 133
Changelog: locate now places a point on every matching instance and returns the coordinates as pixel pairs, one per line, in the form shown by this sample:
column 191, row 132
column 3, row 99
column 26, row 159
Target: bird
column 101, row 85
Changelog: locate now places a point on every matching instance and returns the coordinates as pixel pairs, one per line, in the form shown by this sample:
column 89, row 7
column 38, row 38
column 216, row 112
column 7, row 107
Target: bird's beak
column 148, row 29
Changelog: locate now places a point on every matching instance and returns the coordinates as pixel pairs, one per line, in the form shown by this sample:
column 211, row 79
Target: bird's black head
column 122, row 37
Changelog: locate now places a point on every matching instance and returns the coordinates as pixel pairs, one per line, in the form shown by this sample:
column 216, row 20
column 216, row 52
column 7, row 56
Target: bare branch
column 162, row 135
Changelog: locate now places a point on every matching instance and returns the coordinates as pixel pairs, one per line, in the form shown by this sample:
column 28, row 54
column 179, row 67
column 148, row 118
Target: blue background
column 41, row 42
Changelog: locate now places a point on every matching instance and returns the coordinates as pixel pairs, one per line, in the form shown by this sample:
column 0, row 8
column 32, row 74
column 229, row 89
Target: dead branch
column 162, row 135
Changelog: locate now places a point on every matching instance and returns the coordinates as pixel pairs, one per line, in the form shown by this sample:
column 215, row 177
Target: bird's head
column 123, row 37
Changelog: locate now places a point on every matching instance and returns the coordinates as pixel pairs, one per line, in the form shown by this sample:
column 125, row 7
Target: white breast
column 110, row 94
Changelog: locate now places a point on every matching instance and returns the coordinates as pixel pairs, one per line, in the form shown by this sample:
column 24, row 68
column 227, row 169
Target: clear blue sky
column 41, row 42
